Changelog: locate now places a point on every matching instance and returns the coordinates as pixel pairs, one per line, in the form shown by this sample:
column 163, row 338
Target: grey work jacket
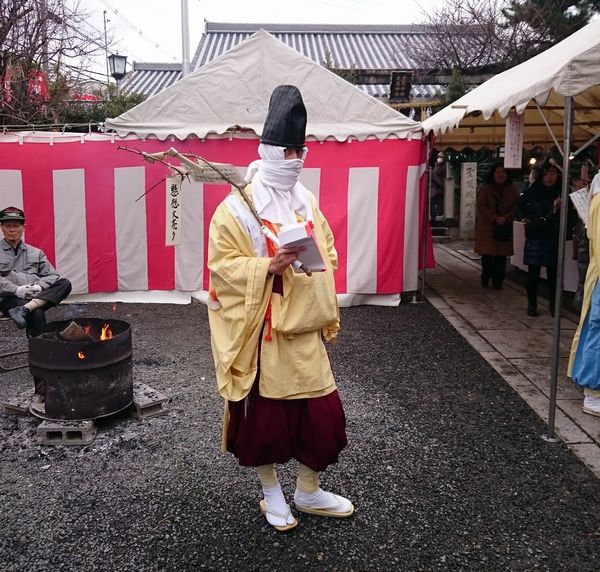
column 28, row 266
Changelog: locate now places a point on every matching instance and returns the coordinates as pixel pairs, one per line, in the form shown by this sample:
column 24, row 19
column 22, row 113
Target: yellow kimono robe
column 294, row 364
column 593, row 232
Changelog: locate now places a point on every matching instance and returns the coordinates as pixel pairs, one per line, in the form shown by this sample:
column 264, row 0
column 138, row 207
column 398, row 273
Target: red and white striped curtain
column 83, row 208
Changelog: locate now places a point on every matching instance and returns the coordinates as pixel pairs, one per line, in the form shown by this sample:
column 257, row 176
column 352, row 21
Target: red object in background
column 37, row 86
column 6, row 94
column 86, row 97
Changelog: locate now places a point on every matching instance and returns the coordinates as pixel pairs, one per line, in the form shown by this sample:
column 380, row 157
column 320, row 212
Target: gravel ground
column 445, row 465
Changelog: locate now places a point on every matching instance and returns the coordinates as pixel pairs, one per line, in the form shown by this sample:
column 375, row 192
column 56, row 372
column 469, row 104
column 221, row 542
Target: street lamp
column 117, row 66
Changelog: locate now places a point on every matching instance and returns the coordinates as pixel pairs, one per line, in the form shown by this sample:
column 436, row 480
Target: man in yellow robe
column 584, row 364
column 268, row 323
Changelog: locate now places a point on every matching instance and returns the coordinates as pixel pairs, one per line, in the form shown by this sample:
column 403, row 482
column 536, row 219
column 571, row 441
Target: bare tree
column 48, row 36
column 540, row 24
column 472, row 35
column 463, row 34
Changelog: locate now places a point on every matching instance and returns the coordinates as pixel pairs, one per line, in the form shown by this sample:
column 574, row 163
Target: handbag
column 502, row 232
column 539, row 227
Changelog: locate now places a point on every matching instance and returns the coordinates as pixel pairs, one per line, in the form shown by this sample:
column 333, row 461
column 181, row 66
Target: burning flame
column 106, row 333
column 80, row 355
column 87, row 330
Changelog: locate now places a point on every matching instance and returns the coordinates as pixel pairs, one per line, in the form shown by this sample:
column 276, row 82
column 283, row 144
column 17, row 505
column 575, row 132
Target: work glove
column 22, row 291
column 34, row 290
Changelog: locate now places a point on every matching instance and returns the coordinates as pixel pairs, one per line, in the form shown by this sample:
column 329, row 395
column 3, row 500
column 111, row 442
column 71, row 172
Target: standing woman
column 539, row 207
column 496, row 203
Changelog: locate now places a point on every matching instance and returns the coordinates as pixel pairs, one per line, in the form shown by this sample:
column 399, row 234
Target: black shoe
column 485, row 282
column 497, row 286
column 19, row 315
column 532, row 311
column 552, row 310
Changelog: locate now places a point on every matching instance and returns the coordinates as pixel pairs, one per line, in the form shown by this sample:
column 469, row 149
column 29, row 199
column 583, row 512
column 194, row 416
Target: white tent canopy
column 232, row 92
column 561, row 86
column 571, row 68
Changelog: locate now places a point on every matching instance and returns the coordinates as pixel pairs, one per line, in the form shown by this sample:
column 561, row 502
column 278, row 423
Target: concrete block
column 147, row 401
column 66, row 432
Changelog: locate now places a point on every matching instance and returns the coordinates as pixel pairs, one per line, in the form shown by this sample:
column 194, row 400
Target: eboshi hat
column 285, row 125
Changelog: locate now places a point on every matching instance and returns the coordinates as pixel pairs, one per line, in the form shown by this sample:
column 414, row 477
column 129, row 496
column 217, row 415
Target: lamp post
column 117, row 64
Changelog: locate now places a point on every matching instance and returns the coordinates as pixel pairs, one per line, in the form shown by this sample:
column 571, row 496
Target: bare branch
column 43, row 34
column 464, row 34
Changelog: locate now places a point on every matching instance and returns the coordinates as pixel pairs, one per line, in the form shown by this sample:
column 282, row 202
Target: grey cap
column 12, row 213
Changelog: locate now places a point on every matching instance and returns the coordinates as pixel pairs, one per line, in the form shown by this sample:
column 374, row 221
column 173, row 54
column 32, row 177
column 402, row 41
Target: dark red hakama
column 263, row 431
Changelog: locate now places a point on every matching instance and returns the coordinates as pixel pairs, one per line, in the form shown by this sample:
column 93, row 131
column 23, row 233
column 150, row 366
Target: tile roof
column 151, row 78
column 363, row 47
column 369, row 47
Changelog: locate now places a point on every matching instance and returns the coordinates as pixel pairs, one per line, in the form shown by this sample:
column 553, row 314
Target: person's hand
column 500, row 220
column 283, row 258
column 556, row 205
column 34, row 290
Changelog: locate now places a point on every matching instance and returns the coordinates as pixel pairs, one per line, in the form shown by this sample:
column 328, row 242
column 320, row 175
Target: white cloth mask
column 276, row 192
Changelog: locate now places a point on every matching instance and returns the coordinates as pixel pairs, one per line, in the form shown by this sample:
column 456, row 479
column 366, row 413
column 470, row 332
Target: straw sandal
column 591, row 411
column 334, row 509
column 265, row 510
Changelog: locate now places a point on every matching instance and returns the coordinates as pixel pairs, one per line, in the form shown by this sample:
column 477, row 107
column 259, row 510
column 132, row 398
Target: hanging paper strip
column 173, row 210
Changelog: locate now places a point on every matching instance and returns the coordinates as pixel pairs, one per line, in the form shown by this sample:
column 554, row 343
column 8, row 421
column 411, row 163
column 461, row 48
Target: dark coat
column 536, row 202
column 438, row 175
column 492, row 202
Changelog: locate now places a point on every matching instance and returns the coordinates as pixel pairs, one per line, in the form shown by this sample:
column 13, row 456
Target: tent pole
column 562, row 235
column 426, row 207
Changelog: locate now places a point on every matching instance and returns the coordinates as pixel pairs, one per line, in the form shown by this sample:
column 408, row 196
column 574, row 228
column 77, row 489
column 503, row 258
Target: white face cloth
column 276, row 192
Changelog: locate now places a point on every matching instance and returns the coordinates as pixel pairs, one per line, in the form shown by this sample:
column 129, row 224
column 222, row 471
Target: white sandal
column 264, row 509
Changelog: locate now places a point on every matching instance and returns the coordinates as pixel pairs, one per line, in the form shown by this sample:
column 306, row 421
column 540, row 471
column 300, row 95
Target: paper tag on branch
column 222, row 173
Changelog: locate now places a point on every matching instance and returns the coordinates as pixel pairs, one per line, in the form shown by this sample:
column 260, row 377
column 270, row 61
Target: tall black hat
column 285, row 125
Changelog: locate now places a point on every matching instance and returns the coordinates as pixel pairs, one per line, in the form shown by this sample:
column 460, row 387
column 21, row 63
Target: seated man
column 29, row 285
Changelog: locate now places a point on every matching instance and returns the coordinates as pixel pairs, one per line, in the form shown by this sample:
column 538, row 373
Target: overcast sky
column 150, row 30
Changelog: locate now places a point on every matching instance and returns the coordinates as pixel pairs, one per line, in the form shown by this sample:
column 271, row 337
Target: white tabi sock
column 35, row 304
column 310, row 495
column 278, row 511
